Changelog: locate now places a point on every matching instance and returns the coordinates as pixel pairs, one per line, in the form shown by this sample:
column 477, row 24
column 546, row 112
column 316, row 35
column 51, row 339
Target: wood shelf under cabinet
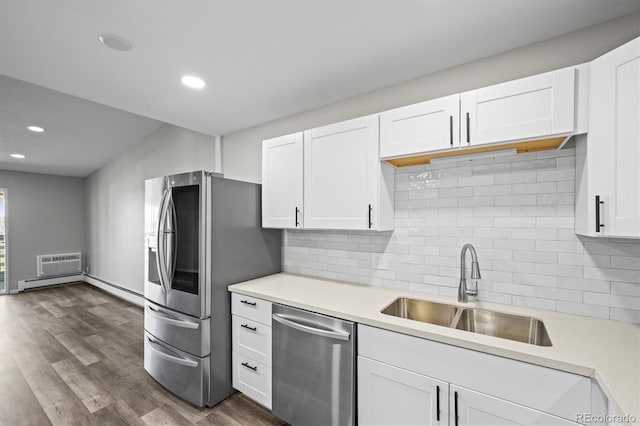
column 521, row 147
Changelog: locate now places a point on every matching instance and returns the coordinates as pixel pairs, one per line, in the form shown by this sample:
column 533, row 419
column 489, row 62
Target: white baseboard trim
column 14, row 291
column 44, row 282
column 116, row 290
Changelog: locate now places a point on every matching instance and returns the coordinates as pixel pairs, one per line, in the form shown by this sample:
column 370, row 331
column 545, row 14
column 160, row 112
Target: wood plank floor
column 73, row 355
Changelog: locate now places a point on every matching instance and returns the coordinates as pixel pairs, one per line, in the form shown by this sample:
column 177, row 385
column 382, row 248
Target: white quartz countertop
column 608, row 351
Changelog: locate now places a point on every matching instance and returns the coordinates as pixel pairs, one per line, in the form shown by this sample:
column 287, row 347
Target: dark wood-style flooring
column 73, row 355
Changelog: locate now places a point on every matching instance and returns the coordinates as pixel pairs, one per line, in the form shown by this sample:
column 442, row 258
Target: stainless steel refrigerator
column 202, row 233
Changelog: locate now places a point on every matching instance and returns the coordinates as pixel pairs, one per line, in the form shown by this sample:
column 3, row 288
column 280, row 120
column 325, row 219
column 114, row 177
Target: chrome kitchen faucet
column 463, row 292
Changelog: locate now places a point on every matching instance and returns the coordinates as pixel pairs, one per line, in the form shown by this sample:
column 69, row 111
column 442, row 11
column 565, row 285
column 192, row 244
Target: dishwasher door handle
column 286, row 320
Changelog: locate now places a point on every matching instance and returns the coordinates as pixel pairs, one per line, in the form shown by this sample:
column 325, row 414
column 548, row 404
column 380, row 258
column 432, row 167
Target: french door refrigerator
column 202, row 233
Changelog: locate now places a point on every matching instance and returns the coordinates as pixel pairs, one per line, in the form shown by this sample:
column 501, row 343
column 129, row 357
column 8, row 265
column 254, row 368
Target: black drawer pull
column 437, row 403
column 455, row 407
column 451, row 130
column 598, row 204
column 250, row 367
column 246, row 302
column 468, row 129
column 248, row 327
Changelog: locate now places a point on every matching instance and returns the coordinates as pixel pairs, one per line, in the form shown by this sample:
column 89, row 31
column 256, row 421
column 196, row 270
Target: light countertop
column 608, row 351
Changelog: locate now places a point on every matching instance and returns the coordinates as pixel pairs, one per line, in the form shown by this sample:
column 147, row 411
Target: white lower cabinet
column 251, row 347
column 389, row 395
column 408, row 381
column 478, row 409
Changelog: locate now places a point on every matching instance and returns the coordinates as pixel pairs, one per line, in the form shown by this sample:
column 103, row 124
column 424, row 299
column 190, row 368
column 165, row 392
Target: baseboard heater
column 45, row 282
column 116, row 290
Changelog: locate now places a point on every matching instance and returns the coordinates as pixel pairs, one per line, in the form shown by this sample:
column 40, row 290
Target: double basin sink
column 491, row 323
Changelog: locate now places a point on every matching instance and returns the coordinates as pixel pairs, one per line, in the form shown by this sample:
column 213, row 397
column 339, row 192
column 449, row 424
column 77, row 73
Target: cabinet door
column 282, row 182
column 341, row 172
column 614, row 140
column 533, row 107
column 427, row 126
column 389, row 395
column 473, row 408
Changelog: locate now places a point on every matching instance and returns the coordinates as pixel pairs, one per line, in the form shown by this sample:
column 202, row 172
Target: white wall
column 45, row 214
column 517, row 211
column 115, row 200
column 242, row 150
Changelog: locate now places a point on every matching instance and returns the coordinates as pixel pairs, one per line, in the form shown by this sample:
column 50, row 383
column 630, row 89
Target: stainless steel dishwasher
column 313, row 368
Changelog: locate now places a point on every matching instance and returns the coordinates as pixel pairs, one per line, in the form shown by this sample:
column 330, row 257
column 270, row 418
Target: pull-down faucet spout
column 463, row 292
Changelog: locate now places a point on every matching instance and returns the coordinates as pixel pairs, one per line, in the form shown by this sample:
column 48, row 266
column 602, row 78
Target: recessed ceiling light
column 115, row 42
column 193, row 81
column 17, row 155
column 36, row 129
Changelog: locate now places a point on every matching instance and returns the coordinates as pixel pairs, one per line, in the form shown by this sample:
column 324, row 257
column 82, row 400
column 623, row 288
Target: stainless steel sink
column 506, row 326
column 491, row 323
column 422, row 310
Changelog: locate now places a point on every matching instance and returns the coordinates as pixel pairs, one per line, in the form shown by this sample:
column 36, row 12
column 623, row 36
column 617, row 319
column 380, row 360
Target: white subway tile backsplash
column 518, row 211
column 625, row 315
column 613, row 300
column 556, row 199
column 559, row 270
column 534, row 188
column 558, row 294
column 535, row 302
column 556, row 175
column 559, row 246
column 514, row 222
column 584, row 259
column 583, row 284
column 624, row 262
column 625, row 289
column 577, row 308
column 515, row 200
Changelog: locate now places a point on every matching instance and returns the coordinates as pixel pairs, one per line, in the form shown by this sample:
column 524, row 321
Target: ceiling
column 261, row 60
column 80, row 136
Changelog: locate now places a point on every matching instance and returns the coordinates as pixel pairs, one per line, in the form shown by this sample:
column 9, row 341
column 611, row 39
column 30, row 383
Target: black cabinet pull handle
column 468, row 129
column 370, row 222
column 455, row 407
column 246, row 302
column 451, row 130
column 598, row 224
column 438, row 403
column 297, row 221
column 250, row 367
column 249, row 328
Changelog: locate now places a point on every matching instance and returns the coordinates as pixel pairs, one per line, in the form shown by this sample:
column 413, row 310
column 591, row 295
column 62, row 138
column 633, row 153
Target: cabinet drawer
column 252, row 378
column 183, row 374
column 251, row 308
column 252, row 339
column 181, row 331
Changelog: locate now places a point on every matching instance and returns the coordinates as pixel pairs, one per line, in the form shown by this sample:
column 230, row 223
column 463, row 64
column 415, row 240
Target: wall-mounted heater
column 53, row 265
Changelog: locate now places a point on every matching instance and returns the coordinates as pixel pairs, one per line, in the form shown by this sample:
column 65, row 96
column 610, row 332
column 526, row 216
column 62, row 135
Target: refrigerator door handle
column 161, row 241
column 164, row 318
column 176, row 360
column 174, row 240
column 287, row 321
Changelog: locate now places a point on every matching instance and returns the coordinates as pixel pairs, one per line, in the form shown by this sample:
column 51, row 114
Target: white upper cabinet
column 427, row 126
column 282, row 182
column 607, row 163
column 528, row 108
column 345, row 184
